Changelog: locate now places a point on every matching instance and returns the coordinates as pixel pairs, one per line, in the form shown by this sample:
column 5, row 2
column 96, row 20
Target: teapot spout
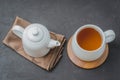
column 53, row 43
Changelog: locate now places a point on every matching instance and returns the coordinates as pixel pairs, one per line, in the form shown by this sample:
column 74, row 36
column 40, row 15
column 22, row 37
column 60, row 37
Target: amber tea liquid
column 89, row 39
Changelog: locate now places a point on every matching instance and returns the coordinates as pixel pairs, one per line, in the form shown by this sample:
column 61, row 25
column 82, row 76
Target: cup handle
column 109, row 36
column 18, row 30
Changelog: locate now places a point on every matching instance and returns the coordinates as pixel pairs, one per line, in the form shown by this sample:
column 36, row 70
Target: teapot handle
column 18, row 30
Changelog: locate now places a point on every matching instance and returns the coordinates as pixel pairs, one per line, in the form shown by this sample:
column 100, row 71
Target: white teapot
column 35, row 39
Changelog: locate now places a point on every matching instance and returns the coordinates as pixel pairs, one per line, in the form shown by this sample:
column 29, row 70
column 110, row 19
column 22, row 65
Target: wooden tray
column 86, row 64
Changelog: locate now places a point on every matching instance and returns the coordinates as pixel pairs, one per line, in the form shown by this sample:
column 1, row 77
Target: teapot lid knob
column 35, row 34
column 35, row 31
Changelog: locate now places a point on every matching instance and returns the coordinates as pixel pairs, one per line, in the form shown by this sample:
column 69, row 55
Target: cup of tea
column 89, row 42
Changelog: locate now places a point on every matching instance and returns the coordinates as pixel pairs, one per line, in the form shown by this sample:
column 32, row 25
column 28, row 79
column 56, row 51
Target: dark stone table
column 65, row 17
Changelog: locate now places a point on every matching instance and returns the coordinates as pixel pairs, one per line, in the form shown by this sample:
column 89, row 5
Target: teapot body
column 35, row 39
column 36, row 48
column 35, row 51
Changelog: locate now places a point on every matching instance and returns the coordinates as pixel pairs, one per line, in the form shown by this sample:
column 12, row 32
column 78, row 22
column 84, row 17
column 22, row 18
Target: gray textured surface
column 61, row 16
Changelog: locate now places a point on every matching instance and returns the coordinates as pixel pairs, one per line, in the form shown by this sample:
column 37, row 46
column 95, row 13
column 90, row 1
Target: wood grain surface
column 86, row 64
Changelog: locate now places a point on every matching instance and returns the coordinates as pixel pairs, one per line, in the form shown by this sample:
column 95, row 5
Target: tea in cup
column 89, row 42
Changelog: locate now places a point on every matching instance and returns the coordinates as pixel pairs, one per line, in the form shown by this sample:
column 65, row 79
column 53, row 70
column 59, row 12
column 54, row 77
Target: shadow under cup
column 89, row 39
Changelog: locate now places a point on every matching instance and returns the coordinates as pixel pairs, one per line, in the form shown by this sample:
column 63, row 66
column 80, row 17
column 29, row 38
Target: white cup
column 90, row 55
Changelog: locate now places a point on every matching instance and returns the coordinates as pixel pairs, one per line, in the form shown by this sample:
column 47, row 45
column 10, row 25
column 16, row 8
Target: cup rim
column 98, row 29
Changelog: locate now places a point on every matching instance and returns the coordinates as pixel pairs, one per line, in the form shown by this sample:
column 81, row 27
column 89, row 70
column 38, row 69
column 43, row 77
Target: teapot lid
column 35, row 33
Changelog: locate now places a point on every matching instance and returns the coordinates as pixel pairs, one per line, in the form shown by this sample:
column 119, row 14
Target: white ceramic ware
column 86, row 55
column 35, row 39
